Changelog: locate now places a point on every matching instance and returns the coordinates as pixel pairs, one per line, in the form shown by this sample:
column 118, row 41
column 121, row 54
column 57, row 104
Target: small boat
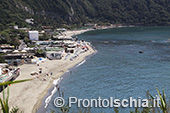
column 8, row 75
column 141, row 52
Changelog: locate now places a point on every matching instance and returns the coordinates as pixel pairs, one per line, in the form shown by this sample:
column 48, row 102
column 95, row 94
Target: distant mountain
column 56, row 12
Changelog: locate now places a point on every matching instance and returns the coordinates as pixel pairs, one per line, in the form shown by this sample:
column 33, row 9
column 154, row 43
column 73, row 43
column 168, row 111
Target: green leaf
column 163, row 103
column 14, row 82
column 7, row 106
column 2, row 105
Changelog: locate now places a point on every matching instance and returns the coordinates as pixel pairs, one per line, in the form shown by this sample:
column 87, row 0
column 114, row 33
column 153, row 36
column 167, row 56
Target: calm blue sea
column 118, row 69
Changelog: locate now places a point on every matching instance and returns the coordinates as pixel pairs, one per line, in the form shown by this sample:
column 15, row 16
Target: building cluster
column 60, row 47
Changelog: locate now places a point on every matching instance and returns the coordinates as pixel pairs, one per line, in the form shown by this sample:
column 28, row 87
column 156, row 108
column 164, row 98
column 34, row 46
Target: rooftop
column 33, row 31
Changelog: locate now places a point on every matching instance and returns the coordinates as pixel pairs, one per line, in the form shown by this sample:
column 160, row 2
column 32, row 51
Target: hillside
column 57, row 12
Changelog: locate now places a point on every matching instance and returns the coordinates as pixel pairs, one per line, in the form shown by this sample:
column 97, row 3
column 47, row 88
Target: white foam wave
column 48, row 99
column 81, row 63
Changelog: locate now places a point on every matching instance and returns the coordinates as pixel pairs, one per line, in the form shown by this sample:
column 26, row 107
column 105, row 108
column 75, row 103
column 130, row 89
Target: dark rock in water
column 141, row 52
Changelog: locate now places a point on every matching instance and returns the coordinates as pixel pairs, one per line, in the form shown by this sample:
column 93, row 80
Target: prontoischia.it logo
column 106, row 103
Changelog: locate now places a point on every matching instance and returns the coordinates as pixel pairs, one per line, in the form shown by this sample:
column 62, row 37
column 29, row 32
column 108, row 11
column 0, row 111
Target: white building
column 16, row 27
column 30, row 21
column 33, row 35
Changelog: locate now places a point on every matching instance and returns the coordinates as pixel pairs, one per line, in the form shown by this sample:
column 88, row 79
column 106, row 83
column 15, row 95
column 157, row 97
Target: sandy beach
column 76, row 32
column 28, row 95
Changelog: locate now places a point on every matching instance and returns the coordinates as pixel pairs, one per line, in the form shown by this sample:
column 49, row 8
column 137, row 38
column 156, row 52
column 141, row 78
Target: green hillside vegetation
column 11, row 36
column 71, row 12
column 75, row 13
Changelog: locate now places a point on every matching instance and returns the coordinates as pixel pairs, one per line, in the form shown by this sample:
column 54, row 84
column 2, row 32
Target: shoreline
column 75, row 32
column 28, row 95
column 39, row 101
column 50, row 86
column 50, row 89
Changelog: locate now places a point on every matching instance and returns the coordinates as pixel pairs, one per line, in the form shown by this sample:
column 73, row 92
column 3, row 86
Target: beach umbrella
column 40, row 59
column 16, row 51
column 23, row 51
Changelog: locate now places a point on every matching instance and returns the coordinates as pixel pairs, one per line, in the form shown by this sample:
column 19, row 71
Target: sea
column 129, row 63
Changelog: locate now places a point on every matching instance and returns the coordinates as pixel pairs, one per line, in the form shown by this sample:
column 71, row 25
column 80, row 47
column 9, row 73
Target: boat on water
column 7, row 74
